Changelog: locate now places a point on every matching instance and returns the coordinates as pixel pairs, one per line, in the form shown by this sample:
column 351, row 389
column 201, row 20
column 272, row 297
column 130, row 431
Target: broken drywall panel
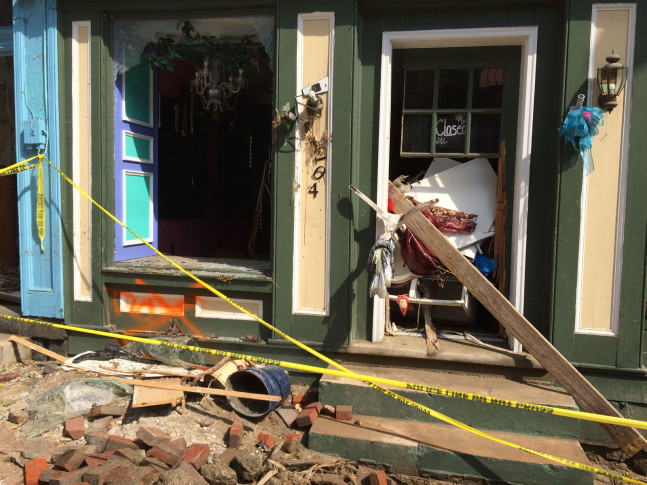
column 469, row 187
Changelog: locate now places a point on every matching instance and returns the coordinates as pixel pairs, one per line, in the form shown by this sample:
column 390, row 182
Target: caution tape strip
column 329, row 361
column 11, row 167
column 372, row 381
column 15, row 170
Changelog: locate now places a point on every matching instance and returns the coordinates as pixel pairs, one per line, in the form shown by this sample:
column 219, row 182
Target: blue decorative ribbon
column 581, row 125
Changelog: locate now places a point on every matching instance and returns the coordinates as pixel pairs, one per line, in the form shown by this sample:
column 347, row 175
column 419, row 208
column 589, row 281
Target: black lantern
column 611, row 81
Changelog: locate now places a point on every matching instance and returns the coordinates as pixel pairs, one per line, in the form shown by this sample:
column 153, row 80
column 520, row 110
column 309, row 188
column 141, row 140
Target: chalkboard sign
column 451, row 133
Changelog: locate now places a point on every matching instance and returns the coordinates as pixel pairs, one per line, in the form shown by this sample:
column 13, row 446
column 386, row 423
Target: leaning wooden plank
column 589, row 399
column 37, row 348
column 202, row 390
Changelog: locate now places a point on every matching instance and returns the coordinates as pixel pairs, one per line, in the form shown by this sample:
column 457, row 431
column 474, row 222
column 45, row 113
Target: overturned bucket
column 270, row 380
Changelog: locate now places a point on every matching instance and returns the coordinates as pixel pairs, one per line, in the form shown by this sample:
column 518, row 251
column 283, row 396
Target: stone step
column 440, row 450
column 365, row 400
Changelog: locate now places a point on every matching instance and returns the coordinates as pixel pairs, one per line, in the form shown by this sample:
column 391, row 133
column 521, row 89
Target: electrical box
column 35, row 133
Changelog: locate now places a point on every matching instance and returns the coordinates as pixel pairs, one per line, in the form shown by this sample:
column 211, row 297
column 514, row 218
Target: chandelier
column 216, row 93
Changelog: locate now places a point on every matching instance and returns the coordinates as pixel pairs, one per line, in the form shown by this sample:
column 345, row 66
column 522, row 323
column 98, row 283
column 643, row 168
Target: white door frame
column 526, row 37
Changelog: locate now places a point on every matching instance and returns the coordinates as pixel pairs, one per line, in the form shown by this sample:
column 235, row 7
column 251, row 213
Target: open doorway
column 193, row 138
column 518, row 163
column 9, row 254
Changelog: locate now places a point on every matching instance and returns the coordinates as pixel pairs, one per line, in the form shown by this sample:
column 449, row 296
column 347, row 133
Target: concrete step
column 437, row 450
column 365, row 400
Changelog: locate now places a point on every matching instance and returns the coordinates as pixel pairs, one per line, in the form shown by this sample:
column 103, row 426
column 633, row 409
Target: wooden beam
column 37, row 348
column 587, row 396
column 201, row 390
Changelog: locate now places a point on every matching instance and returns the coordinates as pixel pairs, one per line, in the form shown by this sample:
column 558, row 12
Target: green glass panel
column 488, row 88
column 486, row 133
column 419, row 90
column 137, row 147
column 452, row 89
column 451, row 131
column 416, row 133
column 137, row 96
column 138, row 206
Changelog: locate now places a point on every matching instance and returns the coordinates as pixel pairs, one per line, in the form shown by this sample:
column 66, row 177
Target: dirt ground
column 35, row 378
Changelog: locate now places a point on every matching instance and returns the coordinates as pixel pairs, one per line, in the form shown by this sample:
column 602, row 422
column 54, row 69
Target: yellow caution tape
column 40, row 204
column 11, row 167
column 17, row 169
column 367, row 380
column 326, row 359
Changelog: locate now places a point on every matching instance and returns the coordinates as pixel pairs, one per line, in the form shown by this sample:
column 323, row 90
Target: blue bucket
column 270, row 380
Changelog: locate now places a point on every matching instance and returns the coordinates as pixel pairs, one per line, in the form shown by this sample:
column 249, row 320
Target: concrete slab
column 335, row 390
column 11, row 353
column 446, row 449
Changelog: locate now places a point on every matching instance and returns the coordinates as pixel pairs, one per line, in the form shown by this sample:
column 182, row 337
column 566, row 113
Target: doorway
column 520, row 122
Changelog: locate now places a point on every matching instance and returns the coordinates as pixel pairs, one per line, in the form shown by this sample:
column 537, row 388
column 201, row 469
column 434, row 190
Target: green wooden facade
column 615, row 364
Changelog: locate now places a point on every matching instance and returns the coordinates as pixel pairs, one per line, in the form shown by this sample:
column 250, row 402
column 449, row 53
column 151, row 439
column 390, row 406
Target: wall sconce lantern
column 611, row 81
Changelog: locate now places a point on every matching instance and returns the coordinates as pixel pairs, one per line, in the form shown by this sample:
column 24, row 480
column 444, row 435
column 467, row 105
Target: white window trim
column 526, row 37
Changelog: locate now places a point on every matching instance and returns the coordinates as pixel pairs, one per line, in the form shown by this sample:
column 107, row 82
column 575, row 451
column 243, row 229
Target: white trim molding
column 622, row 182
column 296, row 307
column 526, row 37
column 217, row 308
column 81, row 130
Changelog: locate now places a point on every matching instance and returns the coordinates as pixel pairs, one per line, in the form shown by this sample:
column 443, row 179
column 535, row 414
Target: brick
column 179, row 443
column 97, row 475
column 151, row 436
column 33, row 469
column 307, row 417
column 236, row 435
column 166, row 452
column 196, row 454
column 75, row 427
column 377, row 478
column 315, row 405
column 344, row 412
column 297, row 399
column 66, row 478
column 291, row 443
column 98, row 439
column 71, row 460
column 184, row 473
column 266, row 438
column 128, row 474
column 156, row 463
column 46, row 475
column 95, row 459
column 117, row 442
column 135, row 456
column 206, row 422
column 107, row 410
column 288, row 415
column 101, row 425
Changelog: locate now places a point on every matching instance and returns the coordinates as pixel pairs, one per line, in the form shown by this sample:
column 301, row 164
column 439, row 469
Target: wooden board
column 37, row 348
column 587, row 397
column 150, row 396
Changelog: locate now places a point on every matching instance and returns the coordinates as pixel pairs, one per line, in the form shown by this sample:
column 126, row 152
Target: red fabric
column 418, row 258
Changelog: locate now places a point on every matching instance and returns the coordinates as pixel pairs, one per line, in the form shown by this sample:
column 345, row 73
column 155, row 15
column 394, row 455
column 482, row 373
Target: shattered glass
column 69, row 400
column 131, row 36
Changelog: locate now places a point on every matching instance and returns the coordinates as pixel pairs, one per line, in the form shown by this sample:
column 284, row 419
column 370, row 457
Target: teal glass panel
column 139, row 148
column 138, row 206
column 137, row 96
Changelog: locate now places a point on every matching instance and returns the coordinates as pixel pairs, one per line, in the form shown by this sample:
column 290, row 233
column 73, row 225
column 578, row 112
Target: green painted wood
column 624, row 350
column 138, row 148
column 138, row 205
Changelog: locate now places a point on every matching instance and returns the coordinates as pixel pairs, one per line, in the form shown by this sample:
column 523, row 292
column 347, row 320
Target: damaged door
column 451, row 109
column 136, row 164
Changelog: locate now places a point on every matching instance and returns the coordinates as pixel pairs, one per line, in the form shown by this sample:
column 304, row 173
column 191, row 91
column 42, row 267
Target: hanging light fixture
column 611, row 81
column 213, row 91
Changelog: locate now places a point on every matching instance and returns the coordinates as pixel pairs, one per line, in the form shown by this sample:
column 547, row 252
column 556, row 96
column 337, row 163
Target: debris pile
column 200, row 440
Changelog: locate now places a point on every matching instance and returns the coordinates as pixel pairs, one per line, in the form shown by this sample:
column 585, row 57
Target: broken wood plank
column 210, row 370
column 587, row 396
column 150, row 396
column 201, row 390
column 37, row 348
